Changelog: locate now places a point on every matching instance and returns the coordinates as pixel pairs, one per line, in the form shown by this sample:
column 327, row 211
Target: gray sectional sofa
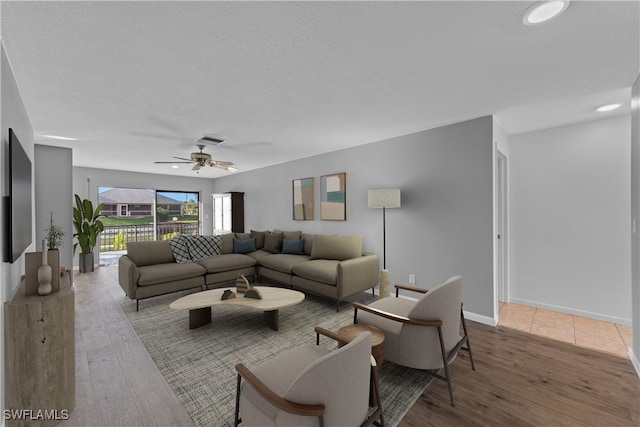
column 331, row 266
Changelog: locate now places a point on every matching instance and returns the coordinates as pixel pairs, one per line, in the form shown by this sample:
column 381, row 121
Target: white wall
column 634, row 352
column 87, row 180
column 444, row 226
column 53, row 180
column 12, row 115
column 570, row 222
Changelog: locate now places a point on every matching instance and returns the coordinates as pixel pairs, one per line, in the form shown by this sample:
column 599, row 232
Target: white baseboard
column 634, row 360
column 480, row 318
column 574, row 311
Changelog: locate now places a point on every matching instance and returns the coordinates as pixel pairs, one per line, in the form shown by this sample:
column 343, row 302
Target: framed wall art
column 303, row 191
column 333, row 197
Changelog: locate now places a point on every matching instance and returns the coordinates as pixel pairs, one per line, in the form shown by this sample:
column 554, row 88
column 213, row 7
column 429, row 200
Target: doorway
column 502, row 228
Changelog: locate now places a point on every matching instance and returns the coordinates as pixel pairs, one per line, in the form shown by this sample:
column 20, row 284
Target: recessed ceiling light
column 175, row 166
column 62, row 138
column 608, row 107
column 544, row 10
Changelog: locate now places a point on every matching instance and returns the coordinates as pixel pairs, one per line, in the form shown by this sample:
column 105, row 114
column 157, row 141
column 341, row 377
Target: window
column 177, row 213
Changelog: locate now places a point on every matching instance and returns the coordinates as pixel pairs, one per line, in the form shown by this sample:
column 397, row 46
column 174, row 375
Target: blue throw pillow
column 244, row 246
column 295, row 247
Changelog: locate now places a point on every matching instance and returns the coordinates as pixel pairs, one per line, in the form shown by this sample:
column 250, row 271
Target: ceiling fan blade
column 196, row 167
column 228, row 166
column 182, row 158
column 171, row 163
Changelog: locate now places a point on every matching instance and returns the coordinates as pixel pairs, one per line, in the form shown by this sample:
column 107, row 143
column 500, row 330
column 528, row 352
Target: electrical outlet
column 412, row 279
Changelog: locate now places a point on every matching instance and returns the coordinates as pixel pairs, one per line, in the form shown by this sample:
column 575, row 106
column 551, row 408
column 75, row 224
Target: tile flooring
column 584, row 332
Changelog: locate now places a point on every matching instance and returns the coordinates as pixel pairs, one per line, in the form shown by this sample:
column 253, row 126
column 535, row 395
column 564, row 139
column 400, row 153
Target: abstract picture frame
column 303, row 196
column 333, row 197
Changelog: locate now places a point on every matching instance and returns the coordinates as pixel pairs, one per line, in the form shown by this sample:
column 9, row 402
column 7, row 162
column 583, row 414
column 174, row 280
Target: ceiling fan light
column 544, row 10
column 608, row 107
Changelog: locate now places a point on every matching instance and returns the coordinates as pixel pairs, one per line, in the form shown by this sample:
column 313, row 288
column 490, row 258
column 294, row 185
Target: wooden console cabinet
column 39, row 345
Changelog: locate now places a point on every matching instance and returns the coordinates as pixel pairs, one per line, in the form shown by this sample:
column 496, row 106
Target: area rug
column 199, row 364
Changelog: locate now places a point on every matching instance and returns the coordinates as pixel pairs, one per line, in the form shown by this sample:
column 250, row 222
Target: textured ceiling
column 138, row 82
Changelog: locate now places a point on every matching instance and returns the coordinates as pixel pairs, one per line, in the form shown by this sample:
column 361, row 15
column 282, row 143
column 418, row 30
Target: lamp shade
column 384, row 198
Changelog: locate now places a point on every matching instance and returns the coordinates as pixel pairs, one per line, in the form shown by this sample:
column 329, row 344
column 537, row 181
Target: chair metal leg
column 237, row 416
column 446, row 365
column 137, row 305
column 466, row 334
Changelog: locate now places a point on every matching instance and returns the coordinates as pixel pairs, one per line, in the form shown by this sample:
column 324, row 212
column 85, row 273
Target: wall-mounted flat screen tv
column 18, row 212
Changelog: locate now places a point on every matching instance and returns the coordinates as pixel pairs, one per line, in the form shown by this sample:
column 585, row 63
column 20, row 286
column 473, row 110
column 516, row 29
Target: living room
column 447, row 220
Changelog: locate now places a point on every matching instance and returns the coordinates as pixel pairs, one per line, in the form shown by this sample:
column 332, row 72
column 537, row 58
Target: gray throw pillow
column 273, row 243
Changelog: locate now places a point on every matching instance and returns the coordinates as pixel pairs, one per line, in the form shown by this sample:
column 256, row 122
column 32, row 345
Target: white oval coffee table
column 273, row 299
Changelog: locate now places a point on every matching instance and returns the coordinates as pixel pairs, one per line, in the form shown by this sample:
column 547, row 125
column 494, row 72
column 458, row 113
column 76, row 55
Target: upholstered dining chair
column 422, row 334
column 310, row 385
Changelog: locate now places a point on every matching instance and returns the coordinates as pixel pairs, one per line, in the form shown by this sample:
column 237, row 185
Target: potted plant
column 88, row 226
column 54, row 235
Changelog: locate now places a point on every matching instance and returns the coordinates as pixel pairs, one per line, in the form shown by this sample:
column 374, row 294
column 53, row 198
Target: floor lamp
column 385, row 198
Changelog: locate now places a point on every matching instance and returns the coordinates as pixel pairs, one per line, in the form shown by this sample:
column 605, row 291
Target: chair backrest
column 443, row 303
column 340, row 380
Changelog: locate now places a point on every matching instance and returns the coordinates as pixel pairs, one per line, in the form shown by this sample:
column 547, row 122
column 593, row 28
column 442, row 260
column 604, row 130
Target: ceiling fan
column 203, row 159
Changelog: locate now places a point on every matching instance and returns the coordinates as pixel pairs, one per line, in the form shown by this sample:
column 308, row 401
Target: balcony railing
column 115, row 238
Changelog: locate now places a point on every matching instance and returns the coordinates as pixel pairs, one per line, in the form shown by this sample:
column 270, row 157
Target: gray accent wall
column 445, row 224
column 570, row 221
column 12, row 115
column 635, row 216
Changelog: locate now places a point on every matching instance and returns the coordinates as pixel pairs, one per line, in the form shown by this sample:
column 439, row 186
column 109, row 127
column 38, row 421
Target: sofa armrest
column 128, row 276
column 357, row 274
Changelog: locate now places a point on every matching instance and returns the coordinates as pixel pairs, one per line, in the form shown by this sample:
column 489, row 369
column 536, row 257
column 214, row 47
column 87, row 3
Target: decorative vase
column 44, row 274
column 385, row 286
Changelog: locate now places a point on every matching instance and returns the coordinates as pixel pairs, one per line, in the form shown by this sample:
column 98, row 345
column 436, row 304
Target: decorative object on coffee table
column 253, row 293
column 384, row 198
column 228, row 294
column 242, row 284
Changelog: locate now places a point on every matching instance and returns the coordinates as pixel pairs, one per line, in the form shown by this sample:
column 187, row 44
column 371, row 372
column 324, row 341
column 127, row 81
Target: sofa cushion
column 295, row 247
column 203, row 246
column 244, row 246
column 242, row 236
column 227, row 243
column 259, row 254
column 259, row 236
column 282, row 262
column 336, row 247
column 217, row 264
column 319, row 270
column 308, row 243
column 150, row 252
column 289, row 235
column 167, row 272
column 273, row 243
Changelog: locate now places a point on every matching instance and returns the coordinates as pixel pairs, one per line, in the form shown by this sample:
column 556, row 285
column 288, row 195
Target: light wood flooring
column 520, row 379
